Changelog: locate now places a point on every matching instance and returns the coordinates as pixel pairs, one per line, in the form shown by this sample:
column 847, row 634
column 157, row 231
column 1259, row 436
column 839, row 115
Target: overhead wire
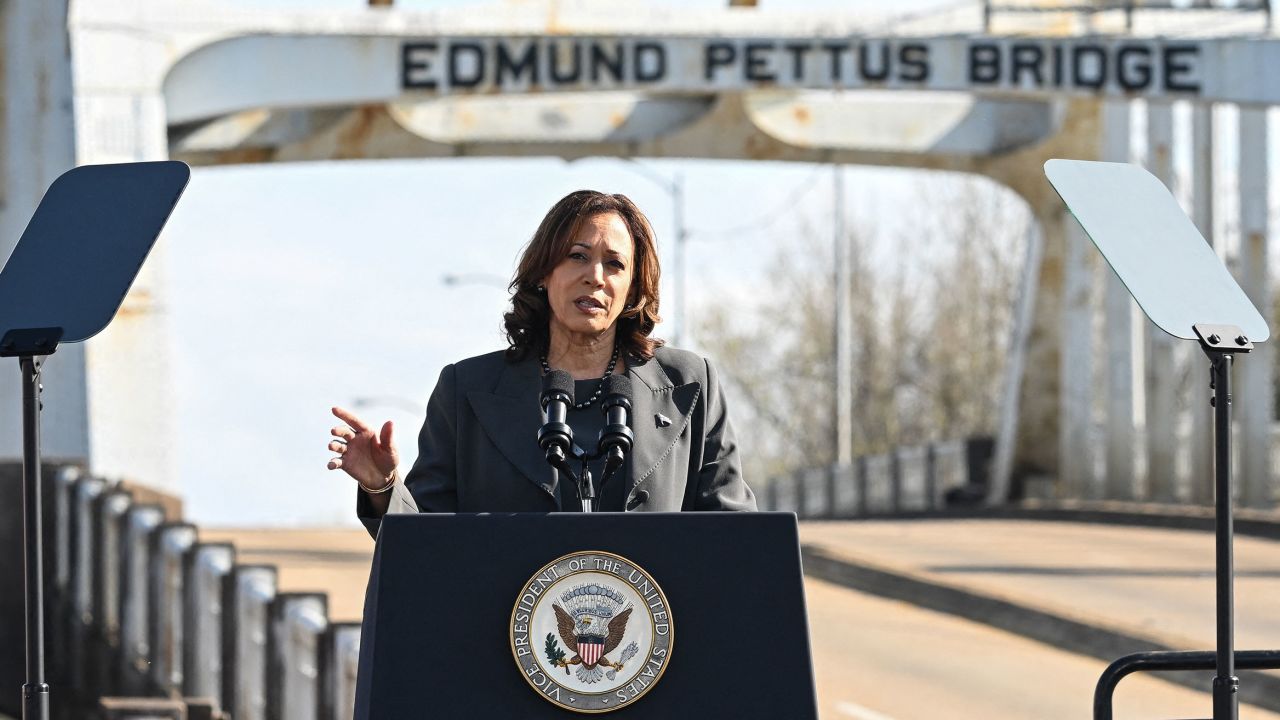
column 761, row 222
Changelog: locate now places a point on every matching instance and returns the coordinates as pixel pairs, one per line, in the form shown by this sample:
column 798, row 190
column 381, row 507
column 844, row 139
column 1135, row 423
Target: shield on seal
column 590, row 648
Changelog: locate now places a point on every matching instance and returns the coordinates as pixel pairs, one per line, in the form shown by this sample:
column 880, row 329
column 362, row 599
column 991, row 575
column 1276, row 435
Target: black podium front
column 447, row 617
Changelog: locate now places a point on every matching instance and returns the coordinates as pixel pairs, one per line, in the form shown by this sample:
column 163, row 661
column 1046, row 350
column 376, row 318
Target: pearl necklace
column 546, row 370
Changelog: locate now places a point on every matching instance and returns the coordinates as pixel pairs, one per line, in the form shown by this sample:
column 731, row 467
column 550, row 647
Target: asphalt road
column 877, row 659
column 1151, row 581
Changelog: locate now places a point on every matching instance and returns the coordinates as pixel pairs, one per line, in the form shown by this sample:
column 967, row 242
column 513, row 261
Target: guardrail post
column 860, row 478
column 82, row 561
column 135, row 562
column 247, row 594
column 297, row 624
column 111, row 508
column 798, row 490
column 895, row 481
column 169, row 544
column 60, row 615
column 339, row 659
column 815, row 483
column 202, row 660
column 931, row 477
column 831, row 478
column 770, row 495
column 63, row 501
column 978, row 455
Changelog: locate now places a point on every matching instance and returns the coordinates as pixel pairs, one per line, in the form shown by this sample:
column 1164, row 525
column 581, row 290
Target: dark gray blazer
column 478, row 449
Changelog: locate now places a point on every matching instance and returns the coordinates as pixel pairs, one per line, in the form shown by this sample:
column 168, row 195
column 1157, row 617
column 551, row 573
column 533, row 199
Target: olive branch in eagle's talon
column 555, row 654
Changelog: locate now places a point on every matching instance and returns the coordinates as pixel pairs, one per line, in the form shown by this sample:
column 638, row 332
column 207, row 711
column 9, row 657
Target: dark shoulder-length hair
column 528, row 323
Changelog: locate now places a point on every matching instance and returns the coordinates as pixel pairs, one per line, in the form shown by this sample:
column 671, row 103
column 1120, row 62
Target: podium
column 637, row 615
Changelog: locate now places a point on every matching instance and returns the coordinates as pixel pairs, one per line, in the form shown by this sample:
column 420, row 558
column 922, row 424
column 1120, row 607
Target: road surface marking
column 859, row 712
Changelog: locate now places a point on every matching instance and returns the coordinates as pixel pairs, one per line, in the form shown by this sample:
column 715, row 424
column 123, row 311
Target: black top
column 478, row 450
column 587, row 424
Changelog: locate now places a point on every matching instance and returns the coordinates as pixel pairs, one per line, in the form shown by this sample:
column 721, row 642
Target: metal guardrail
column 135, row 560
column 144, row 610
column 81, row 630
column 109, row 515
column 339, row 661
column 253, row 588
column 906, row 480
column 170, row 542
column 298, row 624
column 147, row 610
column 207, row 567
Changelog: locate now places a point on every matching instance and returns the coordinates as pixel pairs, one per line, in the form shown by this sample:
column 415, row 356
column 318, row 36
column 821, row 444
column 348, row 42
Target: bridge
column 1098, row 405
column 997, row 614
column 1011, row 90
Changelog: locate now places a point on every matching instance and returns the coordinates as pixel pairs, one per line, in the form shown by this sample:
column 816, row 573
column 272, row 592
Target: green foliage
column 554, row 653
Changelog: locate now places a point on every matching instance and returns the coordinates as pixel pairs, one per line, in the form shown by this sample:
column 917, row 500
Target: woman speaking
column 584, row 300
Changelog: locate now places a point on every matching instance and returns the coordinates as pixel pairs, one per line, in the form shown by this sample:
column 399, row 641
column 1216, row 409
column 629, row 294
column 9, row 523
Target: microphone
column 616, row 436
column 555, row 437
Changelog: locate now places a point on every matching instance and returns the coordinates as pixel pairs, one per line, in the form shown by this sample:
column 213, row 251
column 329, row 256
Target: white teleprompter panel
column 1177, row 279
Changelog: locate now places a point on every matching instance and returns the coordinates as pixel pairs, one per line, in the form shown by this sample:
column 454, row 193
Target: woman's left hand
column 365, row 454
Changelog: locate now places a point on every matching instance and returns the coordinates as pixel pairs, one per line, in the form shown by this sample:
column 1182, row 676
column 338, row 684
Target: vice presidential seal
column 591, row 632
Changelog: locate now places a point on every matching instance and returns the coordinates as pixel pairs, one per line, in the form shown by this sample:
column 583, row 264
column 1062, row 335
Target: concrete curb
column 1252, row 523
column 1084, row 636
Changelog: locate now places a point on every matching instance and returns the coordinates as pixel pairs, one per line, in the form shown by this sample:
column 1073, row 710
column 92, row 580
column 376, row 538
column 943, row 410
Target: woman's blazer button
column 636, row 501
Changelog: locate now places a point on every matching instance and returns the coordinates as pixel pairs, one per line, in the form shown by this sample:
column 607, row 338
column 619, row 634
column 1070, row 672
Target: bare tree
column 931, row 307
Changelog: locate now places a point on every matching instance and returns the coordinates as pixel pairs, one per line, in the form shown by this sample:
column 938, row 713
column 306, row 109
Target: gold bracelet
column 391, row 481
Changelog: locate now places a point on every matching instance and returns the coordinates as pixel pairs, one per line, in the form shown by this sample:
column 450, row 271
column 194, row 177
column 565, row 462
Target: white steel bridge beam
column 1161, row 385
column 37, row 144
column 1118, row 348
column 1256, row 395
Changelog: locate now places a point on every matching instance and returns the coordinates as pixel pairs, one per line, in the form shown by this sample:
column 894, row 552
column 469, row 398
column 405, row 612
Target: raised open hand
column 366, row 455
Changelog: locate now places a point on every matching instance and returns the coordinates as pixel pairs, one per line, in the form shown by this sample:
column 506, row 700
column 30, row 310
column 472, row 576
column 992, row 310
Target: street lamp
column 391, row 401
column 844, row 323
column 456, row 279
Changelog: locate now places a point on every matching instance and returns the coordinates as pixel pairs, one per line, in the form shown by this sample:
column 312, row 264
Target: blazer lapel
column 661, row 412
column 511, row 416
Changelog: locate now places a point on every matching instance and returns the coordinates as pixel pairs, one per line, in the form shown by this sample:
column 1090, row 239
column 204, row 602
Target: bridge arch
column 993, row 105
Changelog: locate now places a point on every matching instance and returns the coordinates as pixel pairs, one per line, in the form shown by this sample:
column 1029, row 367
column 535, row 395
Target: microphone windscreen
column 557, row 380
column 617, row 385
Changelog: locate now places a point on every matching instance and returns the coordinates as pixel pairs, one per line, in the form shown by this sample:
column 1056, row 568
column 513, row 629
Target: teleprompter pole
column 1220, row 343
column 64, row 281
column 1226, row 686
column 35, row 693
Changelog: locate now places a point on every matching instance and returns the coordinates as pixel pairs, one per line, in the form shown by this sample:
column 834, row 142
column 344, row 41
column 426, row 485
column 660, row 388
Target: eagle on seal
column 589, row 642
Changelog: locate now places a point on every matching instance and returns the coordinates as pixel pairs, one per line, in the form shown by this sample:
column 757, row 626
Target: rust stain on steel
column 353, row 138
column 553, row 25
column 233, row 156
column 139, row 302
column 1255, row 252
column 759, row 146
